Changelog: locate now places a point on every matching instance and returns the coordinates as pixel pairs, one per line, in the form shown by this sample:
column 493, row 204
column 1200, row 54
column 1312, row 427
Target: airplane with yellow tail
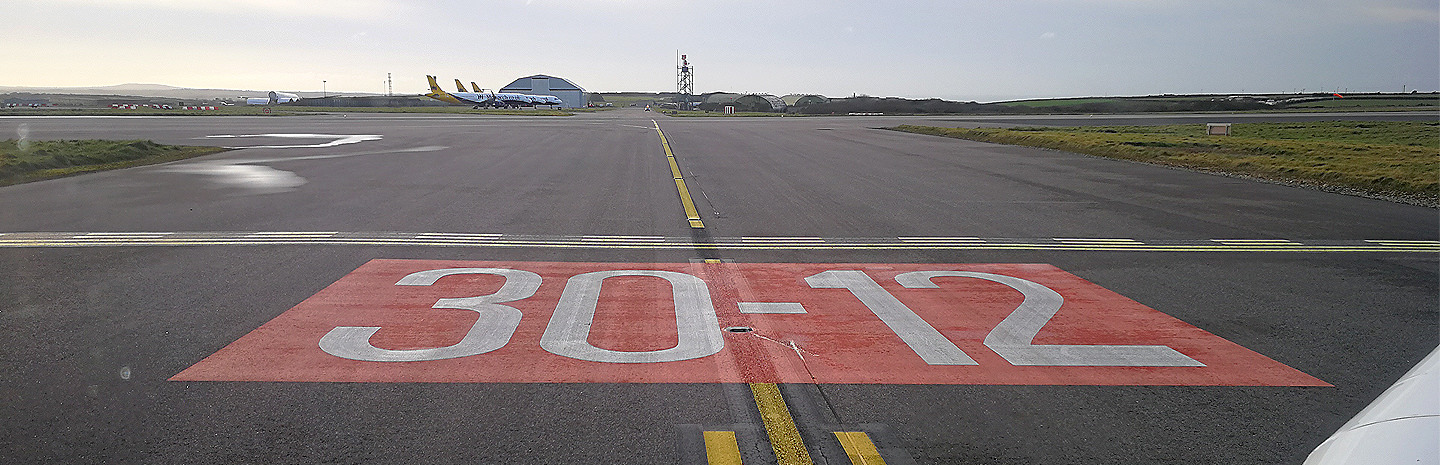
column 482, row 98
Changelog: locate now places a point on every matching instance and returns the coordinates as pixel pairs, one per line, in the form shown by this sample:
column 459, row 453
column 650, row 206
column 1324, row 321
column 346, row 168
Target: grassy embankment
column 1348, row 104
column 37, row 160
column 1396, row 160
column 1252, row 103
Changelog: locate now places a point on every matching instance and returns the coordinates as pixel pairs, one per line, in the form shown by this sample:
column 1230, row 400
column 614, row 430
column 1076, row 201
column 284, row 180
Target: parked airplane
column 514, row 99
column 274, row 98
column 482, row 98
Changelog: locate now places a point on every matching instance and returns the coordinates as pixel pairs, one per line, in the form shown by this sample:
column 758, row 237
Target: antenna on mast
column 686, row 83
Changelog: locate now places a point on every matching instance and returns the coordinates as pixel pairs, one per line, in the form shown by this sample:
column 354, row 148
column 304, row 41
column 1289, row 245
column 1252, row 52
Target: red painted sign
column 541, row 322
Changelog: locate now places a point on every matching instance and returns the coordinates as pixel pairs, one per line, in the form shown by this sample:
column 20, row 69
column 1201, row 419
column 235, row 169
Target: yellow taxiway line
column 784, row 436
column 859, row 448
column 721, row 448
column 691, row 214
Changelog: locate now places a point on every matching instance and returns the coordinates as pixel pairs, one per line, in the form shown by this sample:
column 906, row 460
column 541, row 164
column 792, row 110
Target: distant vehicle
column 482, row 98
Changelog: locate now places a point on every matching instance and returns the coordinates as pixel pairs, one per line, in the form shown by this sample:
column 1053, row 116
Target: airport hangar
column 540, row 84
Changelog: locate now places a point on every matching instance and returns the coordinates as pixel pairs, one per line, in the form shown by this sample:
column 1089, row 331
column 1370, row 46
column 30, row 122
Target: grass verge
column 1393, row 160
column 28, row 161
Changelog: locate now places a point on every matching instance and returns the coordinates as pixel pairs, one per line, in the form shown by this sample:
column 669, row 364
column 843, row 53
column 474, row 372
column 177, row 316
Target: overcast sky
column 962, row 50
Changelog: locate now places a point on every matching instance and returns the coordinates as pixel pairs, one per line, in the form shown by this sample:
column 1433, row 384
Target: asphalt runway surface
column 116, row 283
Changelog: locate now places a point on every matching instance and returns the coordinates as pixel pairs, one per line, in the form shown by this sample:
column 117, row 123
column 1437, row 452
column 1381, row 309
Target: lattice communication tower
column 686, row 83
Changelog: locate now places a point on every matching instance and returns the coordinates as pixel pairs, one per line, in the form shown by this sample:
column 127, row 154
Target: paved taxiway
column 92, row 334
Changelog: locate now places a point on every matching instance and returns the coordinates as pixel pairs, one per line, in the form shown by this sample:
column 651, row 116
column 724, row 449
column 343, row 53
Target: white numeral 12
column 1012, row 339
column 919, row 335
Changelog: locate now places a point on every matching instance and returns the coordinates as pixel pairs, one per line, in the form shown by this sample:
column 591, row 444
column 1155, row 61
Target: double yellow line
column 785, row 439
column 721, row 447
column 784, row 436
column 690, row 213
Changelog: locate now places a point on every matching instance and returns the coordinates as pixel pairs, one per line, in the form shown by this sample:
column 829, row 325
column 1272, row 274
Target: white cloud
column 1047, row 35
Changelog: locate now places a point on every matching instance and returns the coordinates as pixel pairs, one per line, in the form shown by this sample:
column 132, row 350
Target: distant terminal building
column 718, row 101
column 803, row 100
column 743, row 102
column 759, row 102
column 540, row 84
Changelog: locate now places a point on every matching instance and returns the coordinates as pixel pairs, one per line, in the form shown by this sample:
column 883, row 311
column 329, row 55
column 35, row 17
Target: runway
column 891, row 287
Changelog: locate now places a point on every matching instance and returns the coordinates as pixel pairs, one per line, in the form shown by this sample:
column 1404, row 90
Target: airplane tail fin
column 475, row 87
column 439, row 94
column 459, row 85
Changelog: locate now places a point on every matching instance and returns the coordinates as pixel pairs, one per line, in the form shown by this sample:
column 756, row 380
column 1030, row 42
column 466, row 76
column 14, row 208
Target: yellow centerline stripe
column 784, row 437
column 691, row 215
column 685, row 201
column 674, row 168
column 663, row 141
column 859, row 448
column 721, row 448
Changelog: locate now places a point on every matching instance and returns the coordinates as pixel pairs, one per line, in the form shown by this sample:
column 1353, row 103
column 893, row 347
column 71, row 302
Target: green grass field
column 38, row 160
column 1361, row 103
column 624, row 99
column 1164, row 103
column 1059, row 102
column 1398, row 160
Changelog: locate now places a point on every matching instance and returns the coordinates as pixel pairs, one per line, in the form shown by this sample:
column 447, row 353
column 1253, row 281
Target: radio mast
column 686, row 84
